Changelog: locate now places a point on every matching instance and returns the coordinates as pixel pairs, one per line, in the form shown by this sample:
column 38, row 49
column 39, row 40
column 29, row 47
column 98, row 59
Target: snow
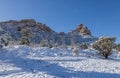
column 42, row 62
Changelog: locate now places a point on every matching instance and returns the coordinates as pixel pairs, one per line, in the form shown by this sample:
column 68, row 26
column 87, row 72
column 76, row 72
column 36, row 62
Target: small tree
column 75, row 51
column 83, row 45
column 104, row 45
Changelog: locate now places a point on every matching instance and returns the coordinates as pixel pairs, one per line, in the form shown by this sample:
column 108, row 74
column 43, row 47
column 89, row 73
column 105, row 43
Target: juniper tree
column 104, row 45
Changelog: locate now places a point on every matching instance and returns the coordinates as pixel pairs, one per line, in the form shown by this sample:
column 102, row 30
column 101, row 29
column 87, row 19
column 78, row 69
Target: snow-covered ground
column 35, row 62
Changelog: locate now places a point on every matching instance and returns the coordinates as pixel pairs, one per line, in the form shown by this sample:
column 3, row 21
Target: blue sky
column 102, row 17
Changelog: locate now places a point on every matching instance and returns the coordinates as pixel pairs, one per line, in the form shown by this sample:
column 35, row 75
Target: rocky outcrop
column 44, row 27
column 81, row 30
column 85, row 31
column 29, row 22
column 37, row 32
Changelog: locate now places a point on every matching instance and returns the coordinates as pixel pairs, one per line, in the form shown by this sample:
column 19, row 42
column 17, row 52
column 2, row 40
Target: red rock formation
column 43, row 27
column 30, row 22
column 79, row 27
column 81, row 30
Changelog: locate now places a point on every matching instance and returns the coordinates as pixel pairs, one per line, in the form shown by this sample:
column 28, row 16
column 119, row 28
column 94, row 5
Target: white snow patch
column 42, row 62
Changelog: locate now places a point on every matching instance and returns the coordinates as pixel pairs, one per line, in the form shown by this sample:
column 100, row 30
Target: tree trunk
column 106, row 56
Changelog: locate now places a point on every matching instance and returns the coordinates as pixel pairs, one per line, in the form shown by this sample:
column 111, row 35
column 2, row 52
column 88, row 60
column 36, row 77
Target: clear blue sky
column 102, row 17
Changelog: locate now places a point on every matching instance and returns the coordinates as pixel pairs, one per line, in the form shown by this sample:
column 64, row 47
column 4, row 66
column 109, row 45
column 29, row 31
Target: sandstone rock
column 47, row 28
column 85, row 31
column 43, row 27
column 12, row 22
column 29, row 22
column 79, row 27
column 81, row 30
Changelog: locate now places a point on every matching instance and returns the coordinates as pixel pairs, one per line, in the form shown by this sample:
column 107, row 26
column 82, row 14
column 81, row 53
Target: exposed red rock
column 30, row 22
column 44, row 27
column 82, row 30
column 79, row 27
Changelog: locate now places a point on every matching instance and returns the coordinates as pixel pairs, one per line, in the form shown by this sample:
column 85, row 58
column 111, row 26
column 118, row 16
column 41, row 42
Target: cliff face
column 36, row 32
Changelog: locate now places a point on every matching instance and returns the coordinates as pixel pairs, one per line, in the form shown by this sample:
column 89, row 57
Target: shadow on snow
column 53, row 69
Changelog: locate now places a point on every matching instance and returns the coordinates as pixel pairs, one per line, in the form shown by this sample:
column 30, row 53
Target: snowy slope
column 35, row 62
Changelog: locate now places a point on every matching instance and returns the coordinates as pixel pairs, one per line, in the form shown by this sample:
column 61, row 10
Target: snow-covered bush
column 4, row 40
column 83, row 45
column 44, row 43
column 104, row 45
column 117, row 47
column 75, row 51
column 63, row 46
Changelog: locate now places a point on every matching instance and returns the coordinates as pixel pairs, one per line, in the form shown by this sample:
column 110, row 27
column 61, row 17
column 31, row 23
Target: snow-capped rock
column 81, row 30
column 37, row 32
